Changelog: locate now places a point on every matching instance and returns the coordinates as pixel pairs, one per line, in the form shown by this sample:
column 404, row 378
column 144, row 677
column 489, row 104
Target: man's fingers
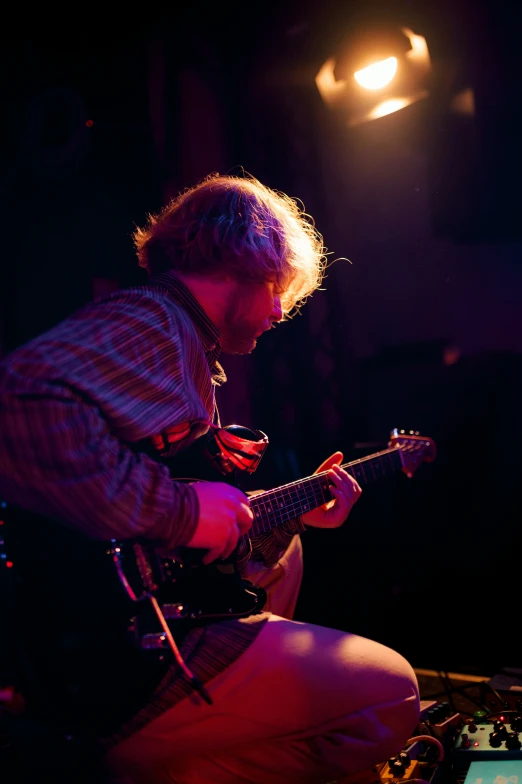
column 244, row 518
column 344, row 482
column 340, row 497
column 233, row 539
column 224, row 516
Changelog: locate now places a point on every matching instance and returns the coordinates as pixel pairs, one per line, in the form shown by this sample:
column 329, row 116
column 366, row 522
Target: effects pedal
column 495, row 740
column 494, row 772
column 419, row 760
column 399, row 767
column 443, row 720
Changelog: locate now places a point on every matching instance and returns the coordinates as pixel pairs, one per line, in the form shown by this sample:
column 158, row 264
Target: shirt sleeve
column 71, row 410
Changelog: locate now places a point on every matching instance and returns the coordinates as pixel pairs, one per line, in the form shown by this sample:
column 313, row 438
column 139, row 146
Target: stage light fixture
column 375, row 73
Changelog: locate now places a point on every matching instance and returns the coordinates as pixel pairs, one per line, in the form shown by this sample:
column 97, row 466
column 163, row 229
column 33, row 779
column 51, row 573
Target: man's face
column 251, row 309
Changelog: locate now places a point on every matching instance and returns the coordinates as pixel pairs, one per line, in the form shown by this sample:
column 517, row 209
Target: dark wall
column 80, row 169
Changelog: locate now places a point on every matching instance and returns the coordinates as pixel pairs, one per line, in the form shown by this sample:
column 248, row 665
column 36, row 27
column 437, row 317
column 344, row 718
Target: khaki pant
column 303, row 704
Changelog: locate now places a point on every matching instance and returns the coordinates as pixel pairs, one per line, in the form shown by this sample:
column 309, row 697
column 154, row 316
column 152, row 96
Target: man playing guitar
column 92, row 413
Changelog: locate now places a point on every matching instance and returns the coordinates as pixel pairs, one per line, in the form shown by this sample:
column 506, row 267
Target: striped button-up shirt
column 137, row 367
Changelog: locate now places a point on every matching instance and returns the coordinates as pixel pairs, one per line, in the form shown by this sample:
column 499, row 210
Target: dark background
column 105, row 116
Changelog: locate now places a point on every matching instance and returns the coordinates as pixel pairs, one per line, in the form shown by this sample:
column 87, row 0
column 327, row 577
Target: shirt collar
column 207, row 332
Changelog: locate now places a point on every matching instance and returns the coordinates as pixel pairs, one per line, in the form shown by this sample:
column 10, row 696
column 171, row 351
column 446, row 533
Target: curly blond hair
column 239, row 227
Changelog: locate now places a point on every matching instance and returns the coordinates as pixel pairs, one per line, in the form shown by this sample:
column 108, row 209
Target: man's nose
column 277, row 310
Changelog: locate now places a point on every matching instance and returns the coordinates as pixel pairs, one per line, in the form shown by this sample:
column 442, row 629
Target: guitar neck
column 274, row 507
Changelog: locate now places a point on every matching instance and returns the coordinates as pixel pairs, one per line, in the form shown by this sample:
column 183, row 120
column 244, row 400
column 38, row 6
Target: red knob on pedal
column 465, row 742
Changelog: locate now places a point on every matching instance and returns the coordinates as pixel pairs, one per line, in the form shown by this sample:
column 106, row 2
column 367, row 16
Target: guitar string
column 266, row 512
column 310, row 482
column 369, row 459
column 287, row 501
column 302, row 491
column 378, row 459
column 313, row 480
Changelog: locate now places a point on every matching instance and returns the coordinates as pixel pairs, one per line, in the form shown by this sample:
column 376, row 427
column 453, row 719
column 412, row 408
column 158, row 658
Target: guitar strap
column 234, row 450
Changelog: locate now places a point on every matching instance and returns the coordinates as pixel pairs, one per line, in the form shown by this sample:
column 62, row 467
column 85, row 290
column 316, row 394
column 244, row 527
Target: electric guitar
column 188, row 591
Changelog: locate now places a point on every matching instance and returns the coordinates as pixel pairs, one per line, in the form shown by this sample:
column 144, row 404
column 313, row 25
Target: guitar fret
column 277, row 506
column 358, row 472
column 290, row 503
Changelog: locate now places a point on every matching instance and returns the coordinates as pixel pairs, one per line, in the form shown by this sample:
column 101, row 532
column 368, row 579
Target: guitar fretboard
column 273, row 507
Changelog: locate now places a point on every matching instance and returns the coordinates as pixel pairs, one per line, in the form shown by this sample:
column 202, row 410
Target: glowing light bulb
column 377, row 75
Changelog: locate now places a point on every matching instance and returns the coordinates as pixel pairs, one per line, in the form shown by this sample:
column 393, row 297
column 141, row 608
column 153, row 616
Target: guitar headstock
column 415, row 449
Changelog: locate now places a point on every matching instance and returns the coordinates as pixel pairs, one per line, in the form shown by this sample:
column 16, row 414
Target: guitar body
column 75, row 660
column 88, row 656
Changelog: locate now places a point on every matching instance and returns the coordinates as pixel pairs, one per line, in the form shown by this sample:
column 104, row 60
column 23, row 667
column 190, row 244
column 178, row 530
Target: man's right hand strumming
column 224, row 516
